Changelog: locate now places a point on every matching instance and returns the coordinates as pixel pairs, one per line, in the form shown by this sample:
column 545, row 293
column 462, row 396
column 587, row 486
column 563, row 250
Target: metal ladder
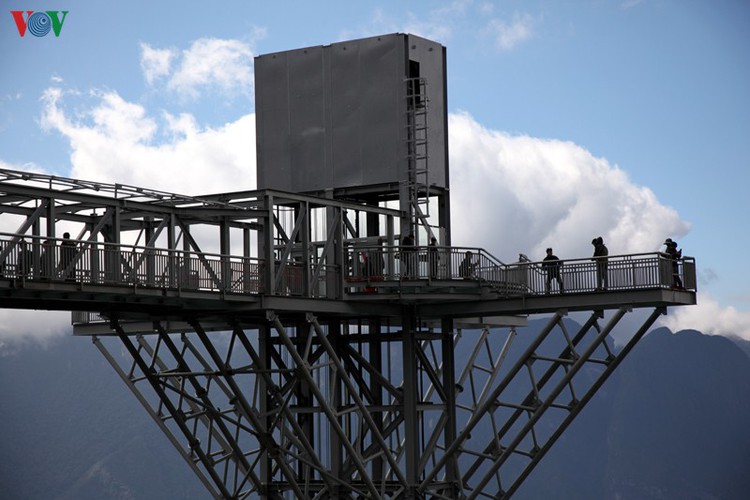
column 417, row 153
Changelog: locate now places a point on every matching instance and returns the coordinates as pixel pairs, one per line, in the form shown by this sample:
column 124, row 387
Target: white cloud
column 25, row 167
column 118, row 141
column 709, row 317
column 214, row 63
column 18, row 327
column 155, row 63
column 509, row 35
column 209, row 64
column 520, row 194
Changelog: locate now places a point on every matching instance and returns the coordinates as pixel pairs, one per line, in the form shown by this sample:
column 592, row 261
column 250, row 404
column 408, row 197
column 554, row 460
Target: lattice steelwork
column 348, row 410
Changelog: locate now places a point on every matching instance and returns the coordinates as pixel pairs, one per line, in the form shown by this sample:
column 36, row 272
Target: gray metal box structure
column 336, row 117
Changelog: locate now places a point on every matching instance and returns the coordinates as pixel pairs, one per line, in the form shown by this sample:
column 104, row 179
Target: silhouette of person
column 433, row 257
column 466, row 269
column 47, row 259
column 67, row 254
column 602, row 263
column 408, row 255
column 551, row 265
column 674, row 255
column 25, row 259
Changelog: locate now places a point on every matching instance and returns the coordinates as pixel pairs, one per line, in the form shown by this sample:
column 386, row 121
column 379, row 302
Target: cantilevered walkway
column 134, row 250
column 81, row 275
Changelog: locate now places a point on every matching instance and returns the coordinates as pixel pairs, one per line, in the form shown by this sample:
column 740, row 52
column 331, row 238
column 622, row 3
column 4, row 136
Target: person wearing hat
column 602, row 263
column 674, row 255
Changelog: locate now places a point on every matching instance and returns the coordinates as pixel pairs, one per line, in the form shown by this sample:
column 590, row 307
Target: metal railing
column 96, row 263
column 369, row 266
column 617, row 272
column 389, row 263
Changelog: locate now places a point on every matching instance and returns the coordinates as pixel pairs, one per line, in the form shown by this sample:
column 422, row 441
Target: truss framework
column 316, row 409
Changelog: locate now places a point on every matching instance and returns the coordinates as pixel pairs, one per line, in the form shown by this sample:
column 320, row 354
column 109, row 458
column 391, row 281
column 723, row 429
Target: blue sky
column 627, row 119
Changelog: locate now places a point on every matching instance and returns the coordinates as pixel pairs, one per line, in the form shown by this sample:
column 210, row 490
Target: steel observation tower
column 286, row 341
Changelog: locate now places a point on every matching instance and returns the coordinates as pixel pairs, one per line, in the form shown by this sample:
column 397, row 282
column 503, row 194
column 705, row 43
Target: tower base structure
column 310, row 407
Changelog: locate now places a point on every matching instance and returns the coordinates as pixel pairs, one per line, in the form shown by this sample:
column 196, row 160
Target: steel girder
column 318, row 409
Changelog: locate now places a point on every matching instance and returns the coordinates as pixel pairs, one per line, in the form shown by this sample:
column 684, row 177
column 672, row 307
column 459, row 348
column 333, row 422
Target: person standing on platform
column 551, row 265
column 25, row 259
column 47, row 259
column 433, row 257
column 674, row 255
column 602, row 263
column 67, row 255
column 408, row 255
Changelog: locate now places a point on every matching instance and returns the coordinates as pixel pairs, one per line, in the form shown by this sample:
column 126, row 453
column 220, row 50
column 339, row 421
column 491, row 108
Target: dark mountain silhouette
column 743, row 344
column 70, row 429
column 673, row 422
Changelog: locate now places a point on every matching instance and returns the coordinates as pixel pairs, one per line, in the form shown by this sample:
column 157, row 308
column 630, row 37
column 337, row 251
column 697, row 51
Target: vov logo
column 39, row 23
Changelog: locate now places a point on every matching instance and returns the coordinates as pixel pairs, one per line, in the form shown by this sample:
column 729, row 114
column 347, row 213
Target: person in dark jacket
column 466, row 269
column 551, row 265
column 433, row 257
column 67, row 256
column 409, row 256
column 601, row 257
column 674, row 255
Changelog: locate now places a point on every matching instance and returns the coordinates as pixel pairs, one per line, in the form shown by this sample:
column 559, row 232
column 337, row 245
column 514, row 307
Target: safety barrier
column 368, row 269
column 371, row 267
column 96, row 263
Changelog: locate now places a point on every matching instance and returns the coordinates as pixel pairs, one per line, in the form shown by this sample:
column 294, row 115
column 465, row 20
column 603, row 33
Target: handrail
column 368, row 268
column 369, row 265
column 26, row 257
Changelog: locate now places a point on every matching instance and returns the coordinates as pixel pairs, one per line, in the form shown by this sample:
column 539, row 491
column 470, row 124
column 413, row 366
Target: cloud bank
column 710, row 318
column 208, row 64
column 520, row 194
column 118, row 141
column 19, row 328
